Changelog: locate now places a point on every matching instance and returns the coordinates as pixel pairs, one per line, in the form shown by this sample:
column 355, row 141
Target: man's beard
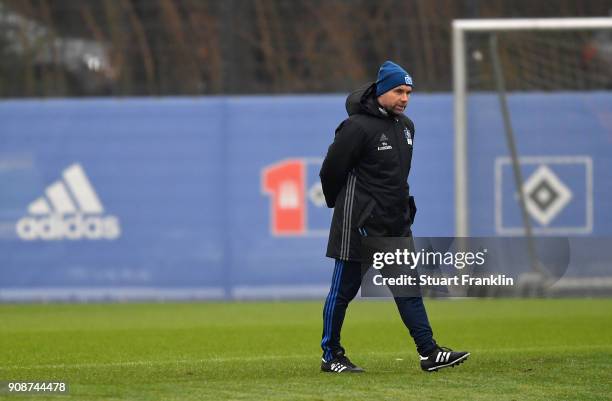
column 395, row 113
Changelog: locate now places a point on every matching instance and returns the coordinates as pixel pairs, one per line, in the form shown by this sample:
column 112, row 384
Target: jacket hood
column 353, row 100
column 363, row 101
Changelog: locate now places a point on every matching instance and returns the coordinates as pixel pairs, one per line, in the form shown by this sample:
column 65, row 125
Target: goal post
column 460, row 31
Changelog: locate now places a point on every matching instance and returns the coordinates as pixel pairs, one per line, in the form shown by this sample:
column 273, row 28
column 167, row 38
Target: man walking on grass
column 364, row 178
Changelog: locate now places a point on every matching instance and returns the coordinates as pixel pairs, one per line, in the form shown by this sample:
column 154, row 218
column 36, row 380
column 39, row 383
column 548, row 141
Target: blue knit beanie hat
column 391, row 75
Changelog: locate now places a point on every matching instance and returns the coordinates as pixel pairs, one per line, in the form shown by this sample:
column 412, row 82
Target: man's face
column 396, row 99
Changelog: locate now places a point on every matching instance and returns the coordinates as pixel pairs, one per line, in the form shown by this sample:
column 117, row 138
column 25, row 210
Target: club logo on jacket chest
column 408, row 136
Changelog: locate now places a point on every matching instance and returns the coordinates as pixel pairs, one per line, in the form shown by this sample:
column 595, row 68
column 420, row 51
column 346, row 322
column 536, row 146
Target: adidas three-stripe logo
column 443, row 356
column 338, row 367
column 70, row 209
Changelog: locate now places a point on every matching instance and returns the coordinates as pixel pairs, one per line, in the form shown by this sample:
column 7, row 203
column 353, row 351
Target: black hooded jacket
column 364, row 176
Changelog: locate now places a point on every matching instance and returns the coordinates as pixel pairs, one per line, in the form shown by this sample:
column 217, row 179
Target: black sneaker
column 340, row 364
column 442, row 357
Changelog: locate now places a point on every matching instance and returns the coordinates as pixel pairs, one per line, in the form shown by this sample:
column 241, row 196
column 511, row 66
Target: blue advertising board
column 181, row 198
column 564, row 142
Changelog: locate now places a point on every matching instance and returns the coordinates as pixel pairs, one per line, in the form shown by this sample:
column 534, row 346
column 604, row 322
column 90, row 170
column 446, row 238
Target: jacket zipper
column 399, row 137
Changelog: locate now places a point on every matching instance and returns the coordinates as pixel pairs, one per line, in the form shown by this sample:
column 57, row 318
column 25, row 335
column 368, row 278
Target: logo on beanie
column 391, row 75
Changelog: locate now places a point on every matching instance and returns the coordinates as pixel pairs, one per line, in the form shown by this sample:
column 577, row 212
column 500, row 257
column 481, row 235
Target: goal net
column 533, row 129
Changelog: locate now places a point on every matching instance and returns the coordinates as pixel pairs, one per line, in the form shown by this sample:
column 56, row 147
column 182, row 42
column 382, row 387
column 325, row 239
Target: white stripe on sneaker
column 449, row 363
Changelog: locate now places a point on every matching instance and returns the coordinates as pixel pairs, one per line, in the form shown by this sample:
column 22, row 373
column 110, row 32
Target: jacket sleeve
column 342, row 156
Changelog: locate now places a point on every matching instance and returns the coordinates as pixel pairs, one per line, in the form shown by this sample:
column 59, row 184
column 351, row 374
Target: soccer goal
column 533, row 126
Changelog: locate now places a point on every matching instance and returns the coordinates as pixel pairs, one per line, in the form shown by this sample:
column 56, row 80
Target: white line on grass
column 291, row 356
column 152, row 363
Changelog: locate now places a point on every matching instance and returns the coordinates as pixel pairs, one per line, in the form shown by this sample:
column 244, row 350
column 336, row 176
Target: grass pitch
column 521, row 350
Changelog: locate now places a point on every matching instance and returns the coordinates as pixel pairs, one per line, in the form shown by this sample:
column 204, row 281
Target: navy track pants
column 345, row 284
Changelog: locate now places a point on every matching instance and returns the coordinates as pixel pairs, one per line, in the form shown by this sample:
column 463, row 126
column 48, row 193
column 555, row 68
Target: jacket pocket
column 365, row 213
